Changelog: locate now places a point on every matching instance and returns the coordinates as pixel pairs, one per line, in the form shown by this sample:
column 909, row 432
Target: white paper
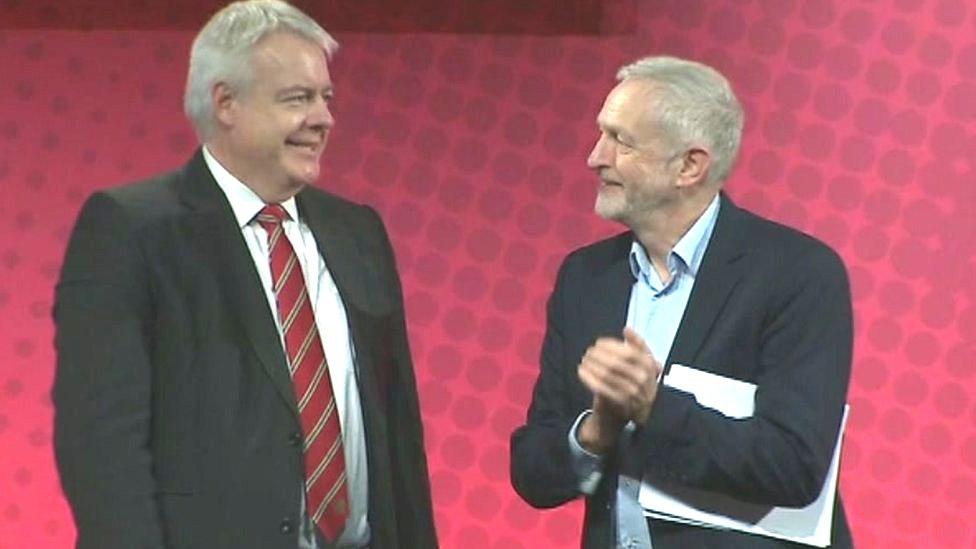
column 732, row 397
column 810, row 525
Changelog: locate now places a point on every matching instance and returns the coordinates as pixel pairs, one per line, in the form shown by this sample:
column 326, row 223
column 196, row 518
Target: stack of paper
column 810, row 525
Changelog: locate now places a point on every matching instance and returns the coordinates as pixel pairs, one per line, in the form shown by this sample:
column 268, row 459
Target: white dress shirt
column 330, row 317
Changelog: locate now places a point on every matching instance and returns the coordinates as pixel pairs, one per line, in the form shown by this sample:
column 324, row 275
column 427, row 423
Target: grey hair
column 221, row 51
column 696, row 106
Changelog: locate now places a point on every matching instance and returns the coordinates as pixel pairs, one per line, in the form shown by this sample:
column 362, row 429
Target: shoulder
column 594, row 259
column 773, row 245
column 150, row 191
column 138, row 203
column 322, row 201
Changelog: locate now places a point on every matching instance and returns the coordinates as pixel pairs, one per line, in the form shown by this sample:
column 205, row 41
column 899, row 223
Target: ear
column 224, row 102
column 695, row 164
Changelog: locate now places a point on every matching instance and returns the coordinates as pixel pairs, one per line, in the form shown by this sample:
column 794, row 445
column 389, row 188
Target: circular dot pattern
column 860, row 129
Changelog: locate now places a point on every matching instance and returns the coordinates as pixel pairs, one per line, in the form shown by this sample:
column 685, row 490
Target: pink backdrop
column 861, row 129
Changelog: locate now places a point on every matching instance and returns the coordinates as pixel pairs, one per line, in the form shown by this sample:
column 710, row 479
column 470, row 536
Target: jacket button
column 295, row 439
column 285, row 527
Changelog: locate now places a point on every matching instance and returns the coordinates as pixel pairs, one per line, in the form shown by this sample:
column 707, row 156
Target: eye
column 298, row 98
column 620, row 140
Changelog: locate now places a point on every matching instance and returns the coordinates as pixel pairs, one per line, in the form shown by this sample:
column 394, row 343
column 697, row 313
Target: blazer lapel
column 347, row 261
column 217, row 236
column 606, row 309
column 721, row 270
column 342, row 253
column 336, row 244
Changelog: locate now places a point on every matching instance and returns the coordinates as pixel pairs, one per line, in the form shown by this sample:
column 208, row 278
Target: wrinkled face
column 278, row 126
column 637, row 168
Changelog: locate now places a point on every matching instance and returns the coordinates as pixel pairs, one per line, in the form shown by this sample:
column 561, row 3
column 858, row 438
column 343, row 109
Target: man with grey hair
column 233, row 365
column 694, row 281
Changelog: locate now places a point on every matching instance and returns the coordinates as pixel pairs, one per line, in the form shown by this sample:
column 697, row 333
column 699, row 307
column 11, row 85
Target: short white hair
column 695, row 106
column 222, row 51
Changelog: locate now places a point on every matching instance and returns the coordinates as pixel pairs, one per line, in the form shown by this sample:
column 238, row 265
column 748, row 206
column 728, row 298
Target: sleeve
column 588, row 466
column 781, row 454
column 414, row 509
column 542, row 464
column 102, row 385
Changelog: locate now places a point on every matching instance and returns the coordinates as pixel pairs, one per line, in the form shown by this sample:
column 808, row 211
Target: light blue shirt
column 654, row 312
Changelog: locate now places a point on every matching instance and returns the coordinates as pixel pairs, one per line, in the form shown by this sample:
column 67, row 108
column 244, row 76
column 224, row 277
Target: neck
column 660, row 231
column 269, row 192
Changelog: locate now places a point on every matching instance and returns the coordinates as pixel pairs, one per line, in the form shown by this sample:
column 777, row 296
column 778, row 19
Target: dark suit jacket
column 176, row 424
column 770, row 306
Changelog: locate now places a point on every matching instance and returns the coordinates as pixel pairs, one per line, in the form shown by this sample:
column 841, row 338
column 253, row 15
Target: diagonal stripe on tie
column 325, row 470
column 313, row 385
column 285, row 276
column 330, row 498
column 289, row 321
column 319, row 424
column 329, row 456
column 304, row 346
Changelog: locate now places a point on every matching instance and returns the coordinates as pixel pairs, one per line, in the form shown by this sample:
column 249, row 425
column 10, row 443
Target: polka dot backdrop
column 861, row 129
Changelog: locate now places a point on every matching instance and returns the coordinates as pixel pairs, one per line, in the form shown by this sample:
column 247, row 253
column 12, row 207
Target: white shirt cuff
column 588, row 466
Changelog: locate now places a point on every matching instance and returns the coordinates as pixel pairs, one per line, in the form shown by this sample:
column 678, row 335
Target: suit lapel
column 347, row 262
column 606, row 309
column 335, row 242
column 217, row 236
column 721, row 270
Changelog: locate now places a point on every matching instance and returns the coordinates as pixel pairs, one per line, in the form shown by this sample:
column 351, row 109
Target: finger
column 631, row 337
column 605, row 398
column 610, row 344
column 625, row 377
column 612, row 350
column 634, row 339
column 608, row 354
column 624, row 361
column 601, row 381
column 628, row 401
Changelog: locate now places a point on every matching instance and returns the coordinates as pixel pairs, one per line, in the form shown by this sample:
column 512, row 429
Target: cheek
column 629, row 170
column 291, row 121
column 645, row 172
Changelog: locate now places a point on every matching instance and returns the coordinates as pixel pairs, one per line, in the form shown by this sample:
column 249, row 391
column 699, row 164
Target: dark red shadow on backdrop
column 536, row 17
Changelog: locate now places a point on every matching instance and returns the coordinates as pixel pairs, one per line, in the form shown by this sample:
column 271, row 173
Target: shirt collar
column 687, row 253
column 243, row 201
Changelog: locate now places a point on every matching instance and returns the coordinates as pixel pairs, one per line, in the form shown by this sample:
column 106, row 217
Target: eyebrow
column 620, row 132
column 302, row 89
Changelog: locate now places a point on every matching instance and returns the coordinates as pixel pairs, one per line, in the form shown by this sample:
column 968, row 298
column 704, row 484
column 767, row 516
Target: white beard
column 611, row 203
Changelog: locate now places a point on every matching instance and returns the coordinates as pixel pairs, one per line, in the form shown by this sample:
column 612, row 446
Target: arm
column 414, row 511
column 542, row 464
column 802, row 352
column 102, row 386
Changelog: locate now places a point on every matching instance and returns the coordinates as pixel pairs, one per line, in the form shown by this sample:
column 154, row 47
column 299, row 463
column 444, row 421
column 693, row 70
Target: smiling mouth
column 306, row 146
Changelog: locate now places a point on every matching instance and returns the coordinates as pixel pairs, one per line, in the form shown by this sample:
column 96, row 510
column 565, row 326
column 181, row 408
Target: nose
column 601, row 153
column 320, row 114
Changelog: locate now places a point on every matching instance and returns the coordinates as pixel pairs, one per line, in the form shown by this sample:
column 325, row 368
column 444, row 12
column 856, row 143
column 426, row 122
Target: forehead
column 628, row 107
column 288, row 56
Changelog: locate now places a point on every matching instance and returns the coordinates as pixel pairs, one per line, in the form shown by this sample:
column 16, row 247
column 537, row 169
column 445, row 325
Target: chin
column 304, row 175
column 609, row 209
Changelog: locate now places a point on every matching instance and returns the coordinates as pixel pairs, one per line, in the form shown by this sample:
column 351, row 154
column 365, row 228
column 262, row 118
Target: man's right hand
column 599, row 431
column 623, row 376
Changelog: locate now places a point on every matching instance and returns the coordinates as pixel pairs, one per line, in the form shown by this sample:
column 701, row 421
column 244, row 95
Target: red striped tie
column 325, row 464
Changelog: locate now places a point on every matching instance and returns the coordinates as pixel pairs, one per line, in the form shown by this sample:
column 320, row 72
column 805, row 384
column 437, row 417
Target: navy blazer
column 175, row 421
column 770, row 306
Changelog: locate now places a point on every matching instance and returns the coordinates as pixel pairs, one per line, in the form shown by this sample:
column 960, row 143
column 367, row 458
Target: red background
column 468, row 128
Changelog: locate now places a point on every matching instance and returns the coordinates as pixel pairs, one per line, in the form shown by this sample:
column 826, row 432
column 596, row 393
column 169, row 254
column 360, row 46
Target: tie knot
column 272, row 213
